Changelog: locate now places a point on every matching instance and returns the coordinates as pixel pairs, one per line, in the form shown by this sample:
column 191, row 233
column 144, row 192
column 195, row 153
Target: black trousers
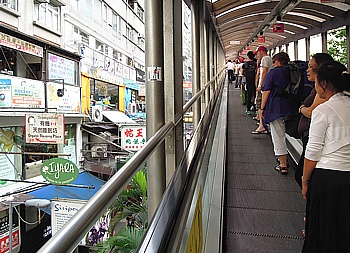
column 300, row 168
column 251, row 90
column 230, row 75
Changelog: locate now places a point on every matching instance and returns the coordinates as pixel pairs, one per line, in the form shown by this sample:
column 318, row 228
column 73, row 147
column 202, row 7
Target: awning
column 75, row 191
column 118, row 118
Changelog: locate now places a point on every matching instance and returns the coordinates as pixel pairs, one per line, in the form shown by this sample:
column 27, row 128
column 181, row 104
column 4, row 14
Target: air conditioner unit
column 99, row 151
column 97, row 115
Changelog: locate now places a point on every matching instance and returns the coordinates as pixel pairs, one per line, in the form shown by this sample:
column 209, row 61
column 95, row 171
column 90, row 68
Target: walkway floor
column 264, row 209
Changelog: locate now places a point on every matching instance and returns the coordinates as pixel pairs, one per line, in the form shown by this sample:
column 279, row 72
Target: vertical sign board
column 62, row 210
column 133, row 137
column 44, row 128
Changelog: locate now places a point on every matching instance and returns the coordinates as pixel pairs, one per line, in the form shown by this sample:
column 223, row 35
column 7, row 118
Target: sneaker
column 248, row 112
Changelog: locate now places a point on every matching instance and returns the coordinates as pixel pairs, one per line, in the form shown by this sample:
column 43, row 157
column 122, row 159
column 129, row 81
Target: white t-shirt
column 230, row 65
column 329, row 134
column 266, row 61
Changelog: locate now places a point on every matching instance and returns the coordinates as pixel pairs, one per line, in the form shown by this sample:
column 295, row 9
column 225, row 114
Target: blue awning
column 57, row 191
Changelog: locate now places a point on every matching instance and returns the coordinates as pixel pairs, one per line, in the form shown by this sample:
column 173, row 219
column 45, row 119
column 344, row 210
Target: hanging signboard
column 59, row 171
column 261, row 39
column 133, row 137
column 278, row 28
column 20, row 45
column 44, row 128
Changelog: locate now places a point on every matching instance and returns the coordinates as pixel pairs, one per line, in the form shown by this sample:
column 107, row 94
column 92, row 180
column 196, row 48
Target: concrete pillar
column 173, row 83
column 155, row 99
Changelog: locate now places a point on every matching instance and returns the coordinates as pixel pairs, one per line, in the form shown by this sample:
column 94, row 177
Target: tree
column 337, row 45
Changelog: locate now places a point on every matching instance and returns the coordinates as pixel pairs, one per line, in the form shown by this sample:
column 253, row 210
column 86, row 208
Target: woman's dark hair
column 282, row 57
column 335, row 74
column 321, row 57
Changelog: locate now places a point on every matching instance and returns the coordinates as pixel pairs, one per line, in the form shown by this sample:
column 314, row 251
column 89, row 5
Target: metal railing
column 68, row 238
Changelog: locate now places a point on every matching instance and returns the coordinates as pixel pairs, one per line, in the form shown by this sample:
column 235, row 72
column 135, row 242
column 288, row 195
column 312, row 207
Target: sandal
column 282, row 170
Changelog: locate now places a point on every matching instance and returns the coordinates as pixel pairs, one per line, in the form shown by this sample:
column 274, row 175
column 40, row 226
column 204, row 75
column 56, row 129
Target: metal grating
column 264, row 210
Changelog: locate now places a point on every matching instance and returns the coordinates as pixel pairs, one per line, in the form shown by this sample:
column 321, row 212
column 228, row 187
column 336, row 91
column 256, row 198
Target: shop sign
column 61, row 68
column 133, row 138
column 21, row 92
column 105, row 75
column 5, row 241
column 69, row 103
column 20, row 45
column 131, row 84
column 59, row 171
column 44, row 128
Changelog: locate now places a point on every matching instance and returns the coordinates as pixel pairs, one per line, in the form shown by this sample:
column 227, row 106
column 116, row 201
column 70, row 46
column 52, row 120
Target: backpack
column 298, row 87
column 250, row 71
column 297, row 90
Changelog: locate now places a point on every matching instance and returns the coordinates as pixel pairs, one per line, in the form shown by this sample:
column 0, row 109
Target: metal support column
column 195, row 17
column 287, row 48
column 207, row 30
column 155, row 99
column 173, row 78
column 296, row 49
column 211, row 56
column 215, row 59
column 202, row 40
column 324, row 42
column 307, row 45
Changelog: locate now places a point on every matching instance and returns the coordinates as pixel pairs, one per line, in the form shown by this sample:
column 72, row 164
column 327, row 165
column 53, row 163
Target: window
column 12, row 4
column 48, row 15
column 85, row 8
column 139, row 12
column 98, row 12
column 83, row 37
column 116, row 27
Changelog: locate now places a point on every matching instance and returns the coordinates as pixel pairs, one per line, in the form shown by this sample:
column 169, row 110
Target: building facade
column 59, row 59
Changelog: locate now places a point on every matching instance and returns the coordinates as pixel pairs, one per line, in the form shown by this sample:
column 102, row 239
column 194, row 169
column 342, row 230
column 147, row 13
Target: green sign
column 59, row 171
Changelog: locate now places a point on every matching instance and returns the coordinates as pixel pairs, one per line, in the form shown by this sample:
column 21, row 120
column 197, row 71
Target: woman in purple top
column 275, row 107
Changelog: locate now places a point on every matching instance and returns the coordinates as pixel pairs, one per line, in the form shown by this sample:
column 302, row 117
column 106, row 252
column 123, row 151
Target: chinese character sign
column 44, row 128
column 133, row 137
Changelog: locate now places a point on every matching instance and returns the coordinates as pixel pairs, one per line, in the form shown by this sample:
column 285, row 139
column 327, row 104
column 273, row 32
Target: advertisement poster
column 5, row 91
column 133, row 137
column 44, row 128
column 62, row 210
column 61, row 68
column 27, row 93
column 69, row 103
column 7, row 170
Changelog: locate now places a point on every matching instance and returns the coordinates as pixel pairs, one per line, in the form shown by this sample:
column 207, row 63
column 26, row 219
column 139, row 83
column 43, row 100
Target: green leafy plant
column 337, row 45
column 131, row 205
